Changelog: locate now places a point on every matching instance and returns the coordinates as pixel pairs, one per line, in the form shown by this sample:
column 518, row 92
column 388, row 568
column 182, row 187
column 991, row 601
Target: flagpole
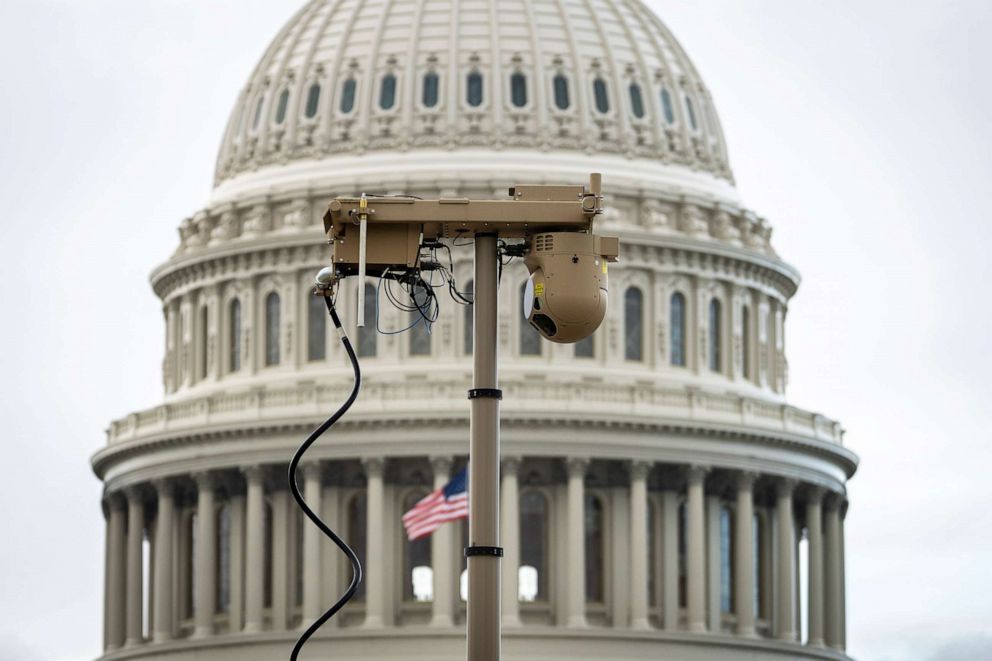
column 484, row 552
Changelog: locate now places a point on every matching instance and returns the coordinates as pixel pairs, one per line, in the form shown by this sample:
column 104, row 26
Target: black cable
column 356, row 577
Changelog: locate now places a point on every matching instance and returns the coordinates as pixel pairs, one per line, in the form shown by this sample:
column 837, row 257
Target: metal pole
column 484, row 552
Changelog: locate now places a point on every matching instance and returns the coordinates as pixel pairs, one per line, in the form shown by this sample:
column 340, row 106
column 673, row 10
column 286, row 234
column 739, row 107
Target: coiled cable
column 356, row 577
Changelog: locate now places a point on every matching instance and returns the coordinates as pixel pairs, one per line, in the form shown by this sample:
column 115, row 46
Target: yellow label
column 604, row 267
column 539, row 289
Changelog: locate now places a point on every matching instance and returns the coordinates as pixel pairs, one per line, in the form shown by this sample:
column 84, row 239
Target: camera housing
column 566, row 296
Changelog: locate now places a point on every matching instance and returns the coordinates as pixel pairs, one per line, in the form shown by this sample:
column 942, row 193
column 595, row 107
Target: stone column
column 744, row 556
column 442, row 559
column 833, row 590
column 236, row 605
column 786, row 561
column 135, row 537
column 280, row 559
column 254, row 549
column 509, row 510
column 206, row 556
column 330, row 558
column 843, row 580
column 375, row 557
column 116, row 572
column 696, row 549
column 312, row 597
column 576, row 607
column 639, row 544
column 814, row 526
column 670, row 559
column 164, row 583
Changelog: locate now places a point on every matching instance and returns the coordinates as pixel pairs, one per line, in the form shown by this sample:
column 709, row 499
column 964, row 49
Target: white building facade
column 658, row 492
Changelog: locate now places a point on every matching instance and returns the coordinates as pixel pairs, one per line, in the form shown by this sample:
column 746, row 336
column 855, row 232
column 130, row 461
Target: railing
column 636, row 401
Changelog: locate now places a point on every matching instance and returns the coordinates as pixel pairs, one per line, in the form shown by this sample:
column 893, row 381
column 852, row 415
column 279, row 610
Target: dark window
column 432, row 85
column 272, row 329
column 533, row 573
column 357, row 534
column 518, row 89
column 746, row 341
column 223, row 564
column 759, row 550
column 715, row 339
column 678, row 329
column 530, row 340
column 585, row 348
column 317, row 329
column 366, row 333
column 636, row 101
column 258, row 112
column 561, row 92
column 601, row 95
column 683, row 561
column 473, row 93
column 313, row 101
column 387, row 92
column 420, row 332
column 418, row 576
column 666, row 106
column 633, row 320
column 234, row 360
column 469, row 318
column 595, row 559
column 281, row 107
column 348, row 95
column 692, row 113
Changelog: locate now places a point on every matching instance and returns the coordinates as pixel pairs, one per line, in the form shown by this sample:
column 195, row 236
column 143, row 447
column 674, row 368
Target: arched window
column 666, row 106
column 530, row 340
column 272, row 329
column 316, row 329
column 726, row 560
column 633, row 324
column 601, row 95
column 387, row 92
column 357, row 531
column 518, row 89
column 561, row 92
column 691, row 113
column 204, row 343
column 418, row 576
column 473, row 89
column 714, row 335
column 348, row 95
column 746, row 341
column 636, row 101
column 469, row 312
column 313, row 101
column 223, row 566
column 432, row 89
column 258, row 113
column 595, row 525
column 677, row 320
column 532, row 584
column 234, row 336
column 420, row 333
column 281, row 106
column 367, row 333
column 586, row 347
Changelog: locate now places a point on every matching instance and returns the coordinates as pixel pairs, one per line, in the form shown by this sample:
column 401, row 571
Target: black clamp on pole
column 494, row 551
column 485, row 393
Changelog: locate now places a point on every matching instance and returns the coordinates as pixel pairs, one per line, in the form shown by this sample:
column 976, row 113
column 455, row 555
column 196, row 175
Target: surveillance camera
column 566, row 295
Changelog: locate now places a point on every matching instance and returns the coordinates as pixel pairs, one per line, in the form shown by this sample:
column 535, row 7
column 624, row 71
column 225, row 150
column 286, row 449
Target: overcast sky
column 861, row 130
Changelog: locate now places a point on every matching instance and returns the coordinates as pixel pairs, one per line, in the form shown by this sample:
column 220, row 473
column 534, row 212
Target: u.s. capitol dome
column 657, row 490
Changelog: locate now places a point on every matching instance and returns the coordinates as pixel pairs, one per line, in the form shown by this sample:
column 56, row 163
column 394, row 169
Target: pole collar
column 493, row 551
column 485, row 393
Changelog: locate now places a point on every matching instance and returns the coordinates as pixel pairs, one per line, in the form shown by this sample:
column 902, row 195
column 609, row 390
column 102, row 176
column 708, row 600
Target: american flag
column 448, row 503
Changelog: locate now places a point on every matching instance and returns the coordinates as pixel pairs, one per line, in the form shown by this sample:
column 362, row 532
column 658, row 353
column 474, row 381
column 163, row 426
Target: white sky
column 861, row 130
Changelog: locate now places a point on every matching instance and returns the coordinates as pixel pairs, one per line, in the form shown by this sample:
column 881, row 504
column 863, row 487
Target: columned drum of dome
column 656, row 483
